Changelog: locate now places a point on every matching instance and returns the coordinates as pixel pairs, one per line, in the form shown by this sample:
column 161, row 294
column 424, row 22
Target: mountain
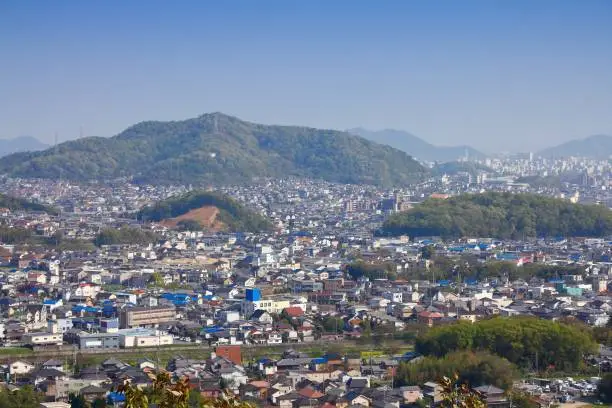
column 198, row 210
column 597, row 147
column 20, row 144
column 417, row 147
column 217, row 148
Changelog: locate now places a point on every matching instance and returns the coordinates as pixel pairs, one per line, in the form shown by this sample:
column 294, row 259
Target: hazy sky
column 513, row 75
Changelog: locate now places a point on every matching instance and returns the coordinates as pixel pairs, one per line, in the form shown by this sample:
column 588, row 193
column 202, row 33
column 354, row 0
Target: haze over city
column 500, row 76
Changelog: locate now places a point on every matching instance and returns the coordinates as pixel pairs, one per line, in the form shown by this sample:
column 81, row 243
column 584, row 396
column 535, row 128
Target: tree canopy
column 526, row 341
column 124, row 235
column 25, row 397
column 500, row 215
column 476, row 368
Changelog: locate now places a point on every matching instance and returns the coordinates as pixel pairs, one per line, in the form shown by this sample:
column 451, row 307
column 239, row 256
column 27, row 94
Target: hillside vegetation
column 216, row 148
column 231, row 213
column 518, row 339
column 501, row 215
column 20, row 204
column 125, row 236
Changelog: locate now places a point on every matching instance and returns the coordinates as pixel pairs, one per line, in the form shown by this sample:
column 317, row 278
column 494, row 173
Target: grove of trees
column 124, row 235
column 525, row 341
column 474, row 367
column 500, row 215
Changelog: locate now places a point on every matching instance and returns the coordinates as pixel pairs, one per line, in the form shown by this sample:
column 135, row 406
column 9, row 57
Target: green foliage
column 125, row 235
column 21, row 236
column 233, row 214
column 25, row 397
column 428, row 252
column 78, row 401
column 525, row 272
column 333, row 324
column 360, row 269
column 459, row 395
column 519, row 339
column 476, row 368
column 216, row 148
column 99, row 403
column 603, row 335
column 501, row 215
column 19, row 204
column 604, row 389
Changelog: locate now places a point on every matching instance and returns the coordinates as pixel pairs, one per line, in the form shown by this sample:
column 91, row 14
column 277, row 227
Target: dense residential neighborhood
column 320, row 311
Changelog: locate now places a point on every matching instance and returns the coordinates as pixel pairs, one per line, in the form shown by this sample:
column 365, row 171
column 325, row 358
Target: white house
column 20, row 367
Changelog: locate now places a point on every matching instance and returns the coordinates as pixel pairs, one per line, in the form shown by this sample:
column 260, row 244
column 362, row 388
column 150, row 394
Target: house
column 36, row 315
column 231, row 353
column 495, row 397
column 262, row 316
column 91, row 393
column 429, row 318
column 411, row 394
column 53, row 364
column 20, row 367
column 353, row 398
column 275, row 337
column 432, row 393
column 293, row 312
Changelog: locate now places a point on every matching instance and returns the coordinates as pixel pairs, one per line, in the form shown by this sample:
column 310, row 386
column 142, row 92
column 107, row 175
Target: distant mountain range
column 217, row 148
column 417, row 147
column 597, row 146
column 21, row 144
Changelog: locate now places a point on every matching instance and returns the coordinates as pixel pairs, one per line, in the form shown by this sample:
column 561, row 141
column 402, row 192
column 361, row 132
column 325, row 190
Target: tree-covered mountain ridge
column 231, row 214
column 501, row 215
column 217, row 148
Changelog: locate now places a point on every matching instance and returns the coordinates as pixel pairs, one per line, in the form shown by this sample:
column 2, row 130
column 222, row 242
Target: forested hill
column 501, row 215
column 231, row 215
column 20, row 204
column 216, row 148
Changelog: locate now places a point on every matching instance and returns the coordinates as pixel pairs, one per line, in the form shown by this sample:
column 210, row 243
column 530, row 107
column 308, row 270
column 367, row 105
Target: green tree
column 456, row 395
column 99, row 403
column 157, row 280
column 519, row 339
column 604, row 389
column 134, row 396
column 476, row 368
column 428, row 252
column 501, row 215
column 25, row 397
column 366, row 327
column 78, row 401
column 333, row 324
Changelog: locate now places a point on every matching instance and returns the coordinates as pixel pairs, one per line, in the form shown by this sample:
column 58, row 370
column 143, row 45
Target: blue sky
column 513, row 75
